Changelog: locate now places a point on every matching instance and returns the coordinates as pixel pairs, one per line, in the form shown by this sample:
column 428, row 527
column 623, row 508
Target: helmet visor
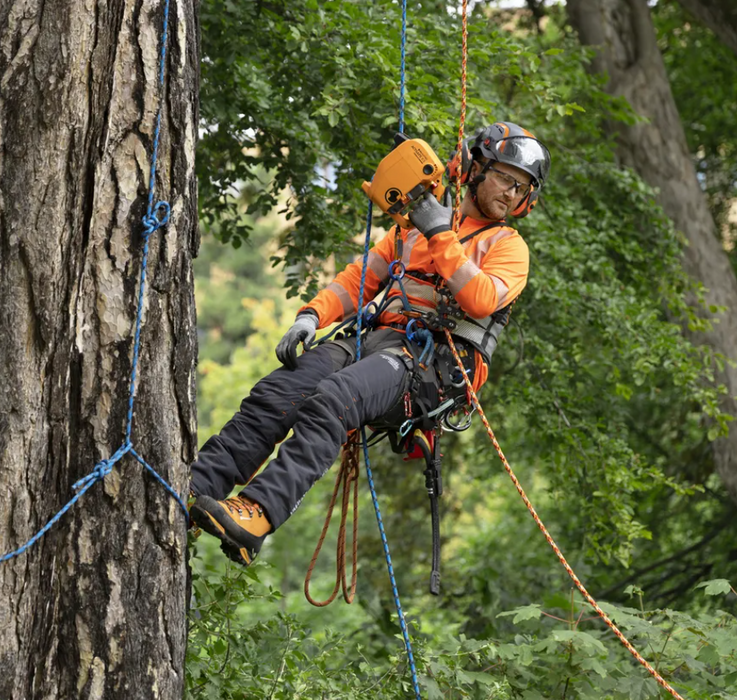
column 526, row 153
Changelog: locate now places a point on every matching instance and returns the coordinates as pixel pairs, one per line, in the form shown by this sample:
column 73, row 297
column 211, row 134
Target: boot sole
column 233, row 549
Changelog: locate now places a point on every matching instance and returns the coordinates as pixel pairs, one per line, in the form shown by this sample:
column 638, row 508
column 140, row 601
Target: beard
column 493, row 204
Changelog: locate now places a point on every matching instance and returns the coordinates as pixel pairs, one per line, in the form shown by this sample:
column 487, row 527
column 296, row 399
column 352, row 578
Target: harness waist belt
column 481, row 333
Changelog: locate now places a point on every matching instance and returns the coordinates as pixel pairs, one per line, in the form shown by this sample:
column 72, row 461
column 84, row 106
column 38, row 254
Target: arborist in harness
column 465, row 281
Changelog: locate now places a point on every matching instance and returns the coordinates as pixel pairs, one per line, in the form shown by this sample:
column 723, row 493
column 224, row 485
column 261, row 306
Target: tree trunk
column 718, row 15
column 627, row 51
column 97, row 608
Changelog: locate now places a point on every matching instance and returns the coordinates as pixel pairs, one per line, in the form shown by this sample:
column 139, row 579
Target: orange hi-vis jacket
column 485, row 273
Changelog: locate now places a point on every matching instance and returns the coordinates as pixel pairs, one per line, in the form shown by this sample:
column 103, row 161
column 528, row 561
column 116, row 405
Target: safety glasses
column 507, row 181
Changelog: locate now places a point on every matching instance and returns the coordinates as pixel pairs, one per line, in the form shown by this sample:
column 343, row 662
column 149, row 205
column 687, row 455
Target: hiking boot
column 239, row 523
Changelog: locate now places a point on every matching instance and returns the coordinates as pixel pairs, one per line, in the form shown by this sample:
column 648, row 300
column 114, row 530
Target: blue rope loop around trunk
column 156, row 217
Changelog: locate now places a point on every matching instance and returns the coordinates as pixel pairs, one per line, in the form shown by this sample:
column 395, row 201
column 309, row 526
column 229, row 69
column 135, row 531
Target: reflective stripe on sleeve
column 345, row 298
column 501, row 291
column 483, row 247
column 378, row 266
column 462, row 276
column 409, row 243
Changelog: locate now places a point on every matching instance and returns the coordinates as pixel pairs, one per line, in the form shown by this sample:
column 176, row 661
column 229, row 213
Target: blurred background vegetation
column 605, row 410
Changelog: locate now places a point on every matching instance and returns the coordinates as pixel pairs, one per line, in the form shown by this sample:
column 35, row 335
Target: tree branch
column 669, row 560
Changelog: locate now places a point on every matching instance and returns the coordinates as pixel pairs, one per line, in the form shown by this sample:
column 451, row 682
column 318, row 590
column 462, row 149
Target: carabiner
column 406, row 427
column 396, row 276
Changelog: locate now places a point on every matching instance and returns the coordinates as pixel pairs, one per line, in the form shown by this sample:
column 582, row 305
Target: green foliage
column 606, row 263
column 563, row 650
column 308, row 104
column 229, row 285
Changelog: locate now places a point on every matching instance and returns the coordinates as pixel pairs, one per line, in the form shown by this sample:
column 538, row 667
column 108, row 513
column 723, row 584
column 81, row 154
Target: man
column 324, row 393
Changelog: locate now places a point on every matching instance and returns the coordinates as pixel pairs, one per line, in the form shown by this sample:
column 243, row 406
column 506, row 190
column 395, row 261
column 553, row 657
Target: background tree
column 720, row 16
column 627, row 52
column 97, row 608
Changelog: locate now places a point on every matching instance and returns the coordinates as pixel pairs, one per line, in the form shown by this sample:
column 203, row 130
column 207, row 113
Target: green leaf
column 717, row 586
column 595, row 665
column 639, row 688
column 526, row 612
column 433, row 689
column 581, row 640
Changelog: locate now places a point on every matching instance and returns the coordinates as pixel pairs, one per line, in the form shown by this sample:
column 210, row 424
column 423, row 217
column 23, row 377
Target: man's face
column 498, row 194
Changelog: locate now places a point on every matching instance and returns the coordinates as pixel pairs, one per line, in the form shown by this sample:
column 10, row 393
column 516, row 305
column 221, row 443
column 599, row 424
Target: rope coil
column 348, row 478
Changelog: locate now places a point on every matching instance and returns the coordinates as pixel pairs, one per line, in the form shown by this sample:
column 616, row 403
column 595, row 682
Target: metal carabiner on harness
column 370, row 314
column 396, row 276
column 457, row 378
column 465, row 422
column 407, row 425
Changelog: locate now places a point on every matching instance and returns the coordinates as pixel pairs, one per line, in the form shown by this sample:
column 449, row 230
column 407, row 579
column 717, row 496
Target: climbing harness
column 156, row 217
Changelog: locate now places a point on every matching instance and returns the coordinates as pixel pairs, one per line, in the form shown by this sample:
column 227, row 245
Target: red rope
column 462, row 125
column 347, row 477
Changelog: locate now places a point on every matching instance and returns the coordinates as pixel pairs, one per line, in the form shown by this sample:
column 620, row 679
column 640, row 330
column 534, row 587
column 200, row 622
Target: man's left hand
column 430, row 216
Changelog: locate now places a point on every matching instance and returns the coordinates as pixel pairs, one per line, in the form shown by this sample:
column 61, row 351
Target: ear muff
column 526, row 205
column 460, row 165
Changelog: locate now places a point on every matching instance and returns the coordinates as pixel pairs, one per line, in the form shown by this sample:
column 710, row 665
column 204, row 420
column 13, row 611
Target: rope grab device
column 402, row 177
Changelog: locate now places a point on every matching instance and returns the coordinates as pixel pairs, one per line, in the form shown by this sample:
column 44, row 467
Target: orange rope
column 459, row 147
column 549, row 538
column 348, row 476
column 456, row 223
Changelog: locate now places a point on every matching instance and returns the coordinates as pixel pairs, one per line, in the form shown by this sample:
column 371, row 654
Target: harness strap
column 473, row 234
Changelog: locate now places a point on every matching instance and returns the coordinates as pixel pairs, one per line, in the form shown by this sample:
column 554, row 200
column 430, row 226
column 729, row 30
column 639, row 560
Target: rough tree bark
column 719, row 15
column 624, row 35
column 97, row 608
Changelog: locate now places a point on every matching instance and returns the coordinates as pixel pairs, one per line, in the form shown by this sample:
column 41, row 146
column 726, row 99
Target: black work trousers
column 322, row 399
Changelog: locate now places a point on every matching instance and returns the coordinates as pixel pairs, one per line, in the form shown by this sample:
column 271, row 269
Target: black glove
column 302, row 330
column 430, row 216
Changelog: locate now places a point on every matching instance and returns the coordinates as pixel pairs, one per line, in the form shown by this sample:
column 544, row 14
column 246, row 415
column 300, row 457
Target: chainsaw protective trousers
column 322, row 399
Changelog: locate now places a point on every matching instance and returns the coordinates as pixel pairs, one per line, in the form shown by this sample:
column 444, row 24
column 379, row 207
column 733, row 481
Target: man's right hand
column 430, row 217
column 303, row 331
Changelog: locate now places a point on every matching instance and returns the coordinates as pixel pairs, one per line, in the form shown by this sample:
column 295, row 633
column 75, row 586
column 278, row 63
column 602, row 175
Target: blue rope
column 370, row 477
column 387, row 556
column 156, row 217
column 402, row 72
column 369, row 473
